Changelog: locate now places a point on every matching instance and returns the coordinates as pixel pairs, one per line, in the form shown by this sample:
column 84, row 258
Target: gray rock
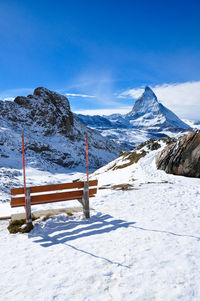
column 182, row 157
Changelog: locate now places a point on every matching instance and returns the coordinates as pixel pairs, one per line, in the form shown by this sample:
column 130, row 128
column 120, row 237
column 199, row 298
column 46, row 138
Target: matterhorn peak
column 147, row 88
column 147, row 112
column 147, row 102
column 149, row 94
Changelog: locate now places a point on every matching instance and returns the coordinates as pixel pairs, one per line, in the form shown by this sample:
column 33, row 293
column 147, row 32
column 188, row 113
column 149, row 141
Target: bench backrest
column 52, row 193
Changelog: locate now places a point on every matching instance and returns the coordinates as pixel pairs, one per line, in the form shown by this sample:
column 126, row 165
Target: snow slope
column 140, row 244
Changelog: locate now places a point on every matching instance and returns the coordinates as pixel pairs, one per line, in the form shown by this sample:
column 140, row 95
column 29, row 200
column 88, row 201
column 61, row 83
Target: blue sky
column 97, row 48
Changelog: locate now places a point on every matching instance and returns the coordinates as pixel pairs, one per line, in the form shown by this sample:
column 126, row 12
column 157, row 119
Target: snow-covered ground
column 140, row 244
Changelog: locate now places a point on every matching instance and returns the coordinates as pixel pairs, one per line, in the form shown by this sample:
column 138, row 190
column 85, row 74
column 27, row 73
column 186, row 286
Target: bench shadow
column 64, row 229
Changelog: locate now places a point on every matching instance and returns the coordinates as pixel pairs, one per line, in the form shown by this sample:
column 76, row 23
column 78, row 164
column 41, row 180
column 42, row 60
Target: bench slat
column 53, row 187
column 53, row 197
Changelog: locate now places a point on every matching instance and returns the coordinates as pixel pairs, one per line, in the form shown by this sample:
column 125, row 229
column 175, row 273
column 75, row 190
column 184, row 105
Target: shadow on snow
column 63, row 230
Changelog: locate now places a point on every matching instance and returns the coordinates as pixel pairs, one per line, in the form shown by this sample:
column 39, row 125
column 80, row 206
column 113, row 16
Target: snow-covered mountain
column 54, row 137
column 148, row 119
column 148, row 113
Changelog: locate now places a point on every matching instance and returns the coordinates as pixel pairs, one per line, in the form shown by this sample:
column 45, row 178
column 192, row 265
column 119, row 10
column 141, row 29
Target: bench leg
column 29, row 217
column 85, row 200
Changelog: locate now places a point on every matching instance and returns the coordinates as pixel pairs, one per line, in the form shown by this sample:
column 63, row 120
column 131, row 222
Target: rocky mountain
column 54, row 137
column 182, row 157
column 147, row 119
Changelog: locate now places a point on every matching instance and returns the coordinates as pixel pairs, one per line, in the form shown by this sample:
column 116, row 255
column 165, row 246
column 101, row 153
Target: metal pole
column 88, row 187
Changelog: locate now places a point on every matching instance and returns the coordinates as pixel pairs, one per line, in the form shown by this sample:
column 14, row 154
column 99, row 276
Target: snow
column 140, row 244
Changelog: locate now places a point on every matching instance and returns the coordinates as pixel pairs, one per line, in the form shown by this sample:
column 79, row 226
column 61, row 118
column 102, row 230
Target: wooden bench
column 36, row 195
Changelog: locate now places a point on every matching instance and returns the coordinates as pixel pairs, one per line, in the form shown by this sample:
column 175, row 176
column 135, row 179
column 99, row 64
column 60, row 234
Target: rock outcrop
column 45, row 109
column 182, row 157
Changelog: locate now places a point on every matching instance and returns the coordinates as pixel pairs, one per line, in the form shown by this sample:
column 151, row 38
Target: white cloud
column 182, row 98
column 134, row 93
column 80, row 95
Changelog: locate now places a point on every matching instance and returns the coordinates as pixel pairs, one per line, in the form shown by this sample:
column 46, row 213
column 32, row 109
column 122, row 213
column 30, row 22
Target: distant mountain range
column 148, row 119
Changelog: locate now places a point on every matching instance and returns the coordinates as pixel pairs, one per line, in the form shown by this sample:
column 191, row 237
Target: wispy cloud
column 98, row 84
column 181, row 98
column 80, row 95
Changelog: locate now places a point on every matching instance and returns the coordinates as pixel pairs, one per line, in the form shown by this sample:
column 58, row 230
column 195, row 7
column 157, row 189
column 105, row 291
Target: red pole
column 87, row 157
column 24, row 175
column 86, row 191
